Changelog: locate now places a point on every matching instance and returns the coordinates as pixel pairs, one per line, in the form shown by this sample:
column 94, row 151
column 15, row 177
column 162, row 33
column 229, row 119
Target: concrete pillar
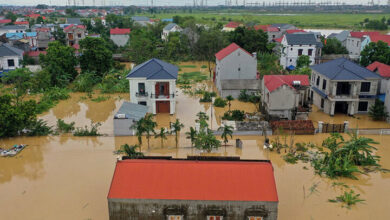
column 197, row 127
column 320, row 125
column 352, row 109
column 332, row 107
column 346, row 126
column 334, row 89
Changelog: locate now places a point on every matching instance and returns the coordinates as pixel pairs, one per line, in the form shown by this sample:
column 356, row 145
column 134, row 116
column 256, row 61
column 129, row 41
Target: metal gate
column 333, row 128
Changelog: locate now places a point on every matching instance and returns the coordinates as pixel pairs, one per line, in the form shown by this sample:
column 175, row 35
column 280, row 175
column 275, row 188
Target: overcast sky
column 165, row 2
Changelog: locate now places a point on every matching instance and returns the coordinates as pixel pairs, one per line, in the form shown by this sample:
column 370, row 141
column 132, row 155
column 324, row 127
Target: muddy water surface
column 66, row 177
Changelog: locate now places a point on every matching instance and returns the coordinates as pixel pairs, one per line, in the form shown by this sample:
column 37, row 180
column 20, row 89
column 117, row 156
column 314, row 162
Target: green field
column 320, row 20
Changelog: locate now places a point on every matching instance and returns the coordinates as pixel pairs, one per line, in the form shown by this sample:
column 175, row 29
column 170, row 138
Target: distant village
column 342, row 73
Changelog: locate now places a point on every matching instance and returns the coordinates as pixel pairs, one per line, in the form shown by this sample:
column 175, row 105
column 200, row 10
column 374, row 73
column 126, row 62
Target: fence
column 371, row 131
column 333, row 128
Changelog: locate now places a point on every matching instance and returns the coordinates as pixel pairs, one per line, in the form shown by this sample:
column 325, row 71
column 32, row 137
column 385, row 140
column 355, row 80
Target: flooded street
column 66, row 177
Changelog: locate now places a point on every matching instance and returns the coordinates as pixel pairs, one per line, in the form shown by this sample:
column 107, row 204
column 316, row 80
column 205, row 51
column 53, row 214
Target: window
column 290, row 60
column 318, row 81
column 142, row 103
column 239, row 69
column 323, row 84
column 255, row 218
column 141, row 88
column 238, row 53
column 291, row 49
column 300, row 51
column 310, row 52
column 363, row 106
column 11, row 63
column 214, row 217
column 174, row 217
column 365, row 87
column 322, row 103
column 79, row 35
column 273, row 36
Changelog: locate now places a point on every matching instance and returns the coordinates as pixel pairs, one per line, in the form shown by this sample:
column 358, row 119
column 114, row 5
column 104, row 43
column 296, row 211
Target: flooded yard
column 66, row 177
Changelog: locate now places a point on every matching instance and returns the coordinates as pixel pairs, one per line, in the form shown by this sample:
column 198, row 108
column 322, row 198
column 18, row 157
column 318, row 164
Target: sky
column 167, row 2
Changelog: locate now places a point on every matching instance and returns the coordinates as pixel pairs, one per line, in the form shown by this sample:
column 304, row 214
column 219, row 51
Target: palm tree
column 226, row 132
column 177, row 126
column 149, row 126
column 140, row 129
column 191, row 135
column 163, row 135
column 229, row 98
column 131, row 151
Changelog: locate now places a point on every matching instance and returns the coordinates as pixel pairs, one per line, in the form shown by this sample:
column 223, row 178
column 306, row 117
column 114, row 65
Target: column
column 332, row 107
column 320, row 125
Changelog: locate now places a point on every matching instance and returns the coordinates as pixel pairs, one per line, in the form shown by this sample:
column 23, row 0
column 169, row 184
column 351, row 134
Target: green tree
column 226, row 132
column 333, row 46
column 131, row 151
column 40, row 20
column 142, row 46
column 378, row 111
column 21, row 79
column 229, row 98
column 206, row 140
column 191, row 135
column 59, row 35
column 162, row 135
column 149, row 126
column 303, row 61
column 11, row 16
column 96, row 57
column 379, row 51
column 177, row 46
column 60, row 62
column 139, row 130
column 250, row 39
column 176, row 128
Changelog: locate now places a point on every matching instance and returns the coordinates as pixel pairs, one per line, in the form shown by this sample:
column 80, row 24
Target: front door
column 163, row 107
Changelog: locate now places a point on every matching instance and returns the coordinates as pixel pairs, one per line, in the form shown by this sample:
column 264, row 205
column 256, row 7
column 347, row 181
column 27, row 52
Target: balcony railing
column 162, row 96
column 141, row 94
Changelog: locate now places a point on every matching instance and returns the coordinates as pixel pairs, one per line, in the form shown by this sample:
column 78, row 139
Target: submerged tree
column 226, row 132
column 176, row 127
column 131, row 151
column 378, row 111
column 162, row 135
column 149, row 126
column 191, row 135
column 229, row 98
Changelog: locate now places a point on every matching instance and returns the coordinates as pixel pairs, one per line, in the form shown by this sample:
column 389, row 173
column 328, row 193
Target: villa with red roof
column 74, row 33
column 236, row 70
column 194, row 188
column 384, row 71
column 231, row 26
column 286, row 95
column 120, row 36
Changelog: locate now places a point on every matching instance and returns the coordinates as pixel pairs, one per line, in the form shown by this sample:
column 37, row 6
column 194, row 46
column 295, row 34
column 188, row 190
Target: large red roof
column 21, row 22
column 36, row 53
column 193, row 180
column 120, row 31
column 262, row 27
column 357, row 34
column 272, row 82
column 381, row 68
column 5, row 21
column 232, row 24
column 76, row 26
column 279, row 39
column 381, row 37
column 294, row 31
column 228, row 50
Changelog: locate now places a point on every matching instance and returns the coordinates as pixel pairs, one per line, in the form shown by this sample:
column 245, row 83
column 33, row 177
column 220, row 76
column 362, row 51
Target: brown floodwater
column 66, row 177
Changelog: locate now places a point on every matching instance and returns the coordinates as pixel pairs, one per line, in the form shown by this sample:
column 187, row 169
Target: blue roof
column 13, row 35
column 154, row 69
column 167, row 20
column 321, row 93
column 343, row 69
column 31, row 34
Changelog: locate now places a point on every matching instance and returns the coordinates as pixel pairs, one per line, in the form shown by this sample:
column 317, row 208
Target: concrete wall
column 120, row 39
column 353, row 46
column 289, row 53
column 122, row 127
column 387, row 99
column 191, row 209
column 281, row 101
column 4, row 62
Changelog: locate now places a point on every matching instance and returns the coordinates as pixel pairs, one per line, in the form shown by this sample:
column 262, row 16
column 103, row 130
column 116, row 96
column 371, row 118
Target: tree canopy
column 375, row 52
column 333, row 46
column 96, row 57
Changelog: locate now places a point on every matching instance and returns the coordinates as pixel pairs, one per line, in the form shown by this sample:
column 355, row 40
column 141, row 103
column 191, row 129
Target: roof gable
column 120, row 31
column 228, row 50
column 154, row 69
column 343, row 69
column 273, row 82
column 7, row 50
column 302, row 39
column 381, row 68
column 193, row 180
column 170, row 26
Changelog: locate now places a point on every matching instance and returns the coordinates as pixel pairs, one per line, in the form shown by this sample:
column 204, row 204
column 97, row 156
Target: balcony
column 162, row 96
column 141, row 94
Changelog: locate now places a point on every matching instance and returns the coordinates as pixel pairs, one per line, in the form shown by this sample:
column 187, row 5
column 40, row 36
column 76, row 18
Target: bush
column 235, row 115
column 88, row 132
column 100, row 99
column 378, row 111
column 39, row 128
column 85, row 82
column 114, row 82
column 244, row 96
column 206, row 97
column 51, row 97
column 203, row 67
column 219, row 102
column 63, row 127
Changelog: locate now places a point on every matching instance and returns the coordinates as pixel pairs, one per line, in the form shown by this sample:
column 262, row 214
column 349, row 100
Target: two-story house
column 74, row 33
column 342, row 37
column 384, row 71
column 273, row 32
column 342, row 86
column 10, row 57
column 153, row 83
column 236, row 70
column 295, row 45
column 120, row 36
column 170, row 28
column 12, row 29
column 356, row 41
column 284, row 96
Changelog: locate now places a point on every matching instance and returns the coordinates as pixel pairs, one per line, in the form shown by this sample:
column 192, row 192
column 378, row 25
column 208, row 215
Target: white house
column 236, row 70
column 295, row 45
column 153, row 83
column 170, row 28
column 12, row 29
column 120, row 36
column 10, row 57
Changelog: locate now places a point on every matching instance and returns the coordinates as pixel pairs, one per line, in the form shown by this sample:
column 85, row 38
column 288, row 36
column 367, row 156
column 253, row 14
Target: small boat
column 13, row 151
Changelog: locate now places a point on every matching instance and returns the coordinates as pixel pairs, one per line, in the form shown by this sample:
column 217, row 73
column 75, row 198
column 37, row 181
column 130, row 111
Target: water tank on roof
column 296, row 83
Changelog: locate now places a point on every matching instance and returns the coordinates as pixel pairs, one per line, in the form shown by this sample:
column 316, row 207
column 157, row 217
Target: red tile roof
column 120, row 31
column 76, row 26
column 358, row 34
column 232, row 24
column 279, row 39
column 380, row 68
column 381, row 37
column 294, row 31
column 36, row 53
column 193, row 180
column 42, row 29
column 272, row 82
column 228, row 50
column 21, row 22
column 5, row 21
column 262, row 27
column 272, row 29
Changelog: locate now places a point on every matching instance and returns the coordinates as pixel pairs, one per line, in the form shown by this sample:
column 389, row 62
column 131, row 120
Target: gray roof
column 154, row 69
column 240, row 84
column 140, row 18
column 133, row 111
column 73, row 21
column 302, row 39
column 342, row 36
column 7, row 50
column 283, row 26
column 12, row 27
column 343, row 69
column 169, row 26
